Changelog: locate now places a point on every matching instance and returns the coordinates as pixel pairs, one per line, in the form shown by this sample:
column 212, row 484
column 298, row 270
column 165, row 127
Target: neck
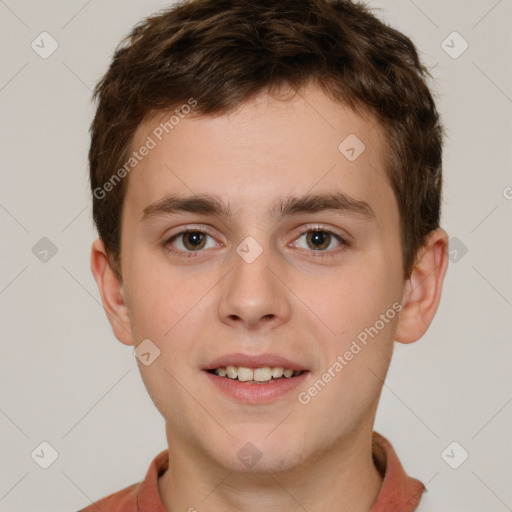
column 343, row 478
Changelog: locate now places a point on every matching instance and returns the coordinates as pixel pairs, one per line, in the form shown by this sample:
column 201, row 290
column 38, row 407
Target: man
column 267, row 182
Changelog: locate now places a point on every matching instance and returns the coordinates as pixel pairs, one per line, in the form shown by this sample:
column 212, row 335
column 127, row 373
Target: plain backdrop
column 67, row 381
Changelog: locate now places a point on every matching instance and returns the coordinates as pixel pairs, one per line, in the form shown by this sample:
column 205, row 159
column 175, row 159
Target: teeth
column 277, row 372
column 221, row 372
column 262, row 374
column 231, row 372
column 245, row 374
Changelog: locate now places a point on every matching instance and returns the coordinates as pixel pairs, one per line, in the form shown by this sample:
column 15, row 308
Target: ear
column 111, row 291
column 422, row 291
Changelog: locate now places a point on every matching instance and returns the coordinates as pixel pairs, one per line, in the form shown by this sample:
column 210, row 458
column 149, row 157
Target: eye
column 318, row 239
column 189, row 241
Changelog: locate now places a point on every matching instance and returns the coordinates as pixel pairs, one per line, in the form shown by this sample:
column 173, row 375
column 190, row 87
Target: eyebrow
column 208, row 204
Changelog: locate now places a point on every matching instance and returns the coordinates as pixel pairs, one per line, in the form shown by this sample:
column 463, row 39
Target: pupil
column 194, row 238
column 319, row 237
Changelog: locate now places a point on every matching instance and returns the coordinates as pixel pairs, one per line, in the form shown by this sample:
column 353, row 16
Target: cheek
column 356, row 363
column 169, row 307
column 362, row 313
column 358, row 299
column 160, row 298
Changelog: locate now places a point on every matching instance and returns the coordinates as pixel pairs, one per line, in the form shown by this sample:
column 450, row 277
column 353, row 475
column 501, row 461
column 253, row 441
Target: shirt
column 399, row 492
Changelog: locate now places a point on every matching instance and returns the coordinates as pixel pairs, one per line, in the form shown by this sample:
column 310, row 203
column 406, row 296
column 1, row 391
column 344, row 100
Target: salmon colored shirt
column 399, row 492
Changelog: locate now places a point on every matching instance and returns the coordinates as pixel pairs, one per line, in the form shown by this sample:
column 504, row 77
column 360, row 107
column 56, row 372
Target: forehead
column 265, row 150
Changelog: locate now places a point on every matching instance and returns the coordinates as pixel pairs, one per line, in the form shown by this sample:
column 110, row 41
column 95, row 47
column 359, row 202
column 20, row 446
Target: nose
column 253, row 297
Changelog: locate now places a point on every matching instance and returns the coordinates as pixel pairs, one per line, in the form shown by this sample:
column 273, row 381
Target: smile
column 261, row 375
column 251, row 390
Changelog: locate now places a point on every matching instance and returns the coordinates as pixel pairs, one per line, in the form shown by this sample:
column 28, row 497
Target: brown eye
column 318, row 240
column 189, row 243
column 194, row 240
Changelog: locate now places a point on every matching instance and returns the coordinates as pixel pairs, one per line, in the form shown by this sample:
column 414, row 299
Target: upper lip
column 254, row 361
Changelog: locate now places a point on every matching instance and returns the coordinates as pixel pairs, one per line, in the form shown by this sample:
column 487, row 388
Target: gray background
column 66, row 380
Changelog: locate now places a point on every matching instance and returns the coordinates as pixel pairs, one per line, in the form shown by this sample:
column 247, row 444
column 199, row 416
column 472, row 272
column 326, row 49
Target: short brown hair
column 224, row 52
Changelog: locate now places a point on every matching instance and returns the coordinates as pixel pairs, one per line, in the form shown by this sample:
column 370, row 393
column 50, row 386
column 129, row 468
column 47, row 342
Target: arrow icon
column 249, row 252
column 456, row 249
column 44, row 455
column 44, row 250
column 249, row 454
column 454, row 455
column 454, row 45
column 44, row 45
column 351, row 147
column 146, row 352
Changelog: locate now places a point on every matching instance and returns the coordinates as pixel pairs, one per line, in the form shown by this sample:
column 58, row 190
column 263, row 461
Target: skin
column 317, row 455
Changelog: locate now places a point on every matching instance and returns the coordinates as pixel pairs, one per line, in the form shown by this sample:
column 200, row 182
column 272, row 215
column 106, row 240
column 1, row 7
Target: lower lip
column 251, row 393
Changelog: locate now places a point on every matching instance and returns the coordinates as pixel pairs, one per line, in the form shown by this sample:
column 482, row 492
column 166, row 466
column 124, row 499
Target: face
column 275, row 275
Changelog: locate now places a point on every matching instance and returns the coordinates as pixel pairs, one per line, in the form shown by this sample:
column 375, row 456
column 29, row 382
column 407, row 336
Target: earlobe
column 112, row 293
column 422, row 292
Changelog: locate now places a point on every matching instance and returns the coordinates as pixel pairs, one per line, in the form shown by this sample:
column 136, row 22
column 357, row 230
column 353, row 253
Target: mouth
column 255, row 379
column 255, row 385
column 258, row 375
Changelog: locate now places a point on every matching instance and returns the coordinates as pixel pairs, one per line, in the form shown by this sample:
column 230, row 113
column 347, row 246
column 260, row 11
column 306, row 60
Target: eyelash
column 194, row 254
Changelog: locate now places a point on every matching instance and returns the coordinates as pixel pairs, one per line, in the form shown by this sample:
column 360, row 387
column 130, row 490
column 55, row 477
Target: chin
column 250, row 460
column 260, row 450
